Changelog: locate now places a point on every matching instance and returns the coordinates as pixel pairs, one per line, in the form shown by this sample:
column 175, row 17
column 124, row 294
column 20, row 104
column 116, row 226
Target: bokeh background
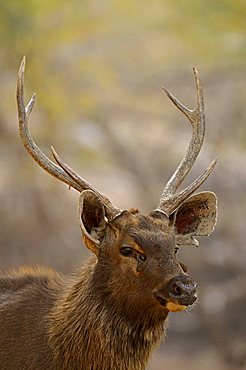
column 97, row 68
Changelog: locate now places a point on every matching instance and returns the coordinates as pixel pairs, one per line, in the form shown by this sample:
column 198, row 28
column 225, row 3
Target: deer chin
column 175, row 307
column 171, row 306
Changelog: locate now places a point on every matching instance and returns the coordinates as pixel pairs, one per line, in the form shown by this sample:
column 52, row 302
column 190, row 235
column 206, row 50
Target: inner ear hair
column 91, row 215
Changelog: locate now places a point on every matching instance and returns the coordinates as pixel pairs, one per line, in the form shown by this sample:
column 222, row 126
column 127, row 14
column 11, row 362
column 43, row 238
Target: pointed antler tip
column 22, row 65
column 197, row 78
column 34, row 97
column 53, row 150
column 30, row 105
column 215, row 160
column 163, row 88
column 54, row 153
column 167, row 92
column 56, row 156
column 195, row 70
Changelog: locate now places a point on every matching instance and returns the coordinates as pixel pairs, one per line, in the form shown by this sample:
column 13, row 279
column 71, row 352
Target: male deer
column 112, row 312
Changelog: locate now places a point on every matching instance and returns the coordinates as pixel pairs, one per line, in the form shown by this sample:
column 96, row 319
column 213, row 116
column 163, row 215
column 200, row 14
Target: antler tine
column 110, row 209
column 61, row 171
column 178, row 198
column 30, row 145
column 169, row 200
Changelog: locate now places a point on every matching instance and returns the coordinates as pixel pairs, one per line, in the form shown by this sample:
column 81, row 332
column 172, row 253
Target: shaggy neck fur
column 91, row 330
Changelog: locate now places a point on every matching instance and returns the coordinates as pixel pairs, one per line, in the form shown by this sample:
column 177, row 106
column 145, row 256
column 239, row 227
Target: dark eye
column 176, row 250
column 141, row 257
column 126, row 251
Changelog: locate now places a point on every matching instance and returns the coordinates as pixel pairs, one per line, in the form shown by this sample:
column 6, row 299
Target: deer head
column 137, row 250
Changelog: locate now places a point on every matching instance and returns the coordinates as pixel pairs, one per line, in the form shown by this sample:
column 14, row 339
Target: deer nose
column 182, row 289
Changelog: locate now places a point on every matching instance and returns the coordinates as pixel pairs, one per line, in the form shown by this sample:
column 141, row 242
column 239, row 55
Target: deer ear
column 197, row 216
column 91, row 219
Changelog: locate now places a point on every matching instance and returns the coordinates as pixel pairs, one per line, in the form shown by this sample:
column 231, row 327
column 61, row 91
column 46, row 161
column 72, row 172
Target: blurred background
column 97, row 68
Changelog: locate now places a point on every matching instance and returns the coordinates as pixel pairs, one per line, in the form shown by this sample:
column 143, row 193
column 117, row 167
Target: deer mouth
column 171, row 305
column 174, row 306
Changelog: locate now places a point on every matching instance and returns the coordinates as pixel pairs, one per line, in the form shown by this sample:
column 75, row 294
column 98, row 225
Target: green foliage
column 107, row 44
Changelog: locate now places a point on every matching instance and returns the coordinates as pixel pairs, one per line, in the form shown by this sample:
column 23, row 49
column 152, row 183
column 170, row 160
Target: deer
column 112, row 312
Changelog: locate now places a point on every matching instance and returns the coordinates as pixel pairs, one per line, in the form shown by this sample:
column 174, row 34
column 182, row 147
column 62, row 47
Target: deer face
column 140, row 251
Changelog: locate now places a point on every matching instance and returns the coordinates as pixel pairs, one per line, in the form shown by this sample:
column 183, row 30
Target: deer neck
column 90, row 330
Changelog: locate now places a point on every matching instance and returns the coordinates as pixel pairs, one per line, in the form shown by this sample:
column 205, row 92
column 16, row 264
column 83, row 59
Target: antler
column 61, row 171
column 170, row 200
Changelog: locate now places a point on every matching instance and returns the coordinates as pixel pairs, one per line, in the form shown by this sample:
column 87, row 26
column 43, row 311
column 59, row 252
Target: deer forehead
column 147, row 234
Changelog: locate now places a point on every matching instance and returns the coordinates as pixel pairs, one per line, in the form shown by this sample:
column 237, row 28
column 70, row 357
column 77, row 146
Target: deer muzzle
column 179, row 293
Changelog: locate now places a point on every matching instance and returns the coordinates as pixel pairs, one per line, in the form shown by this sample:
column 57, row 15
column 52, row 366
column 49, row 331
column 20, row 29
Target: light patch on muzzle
column 175, row 307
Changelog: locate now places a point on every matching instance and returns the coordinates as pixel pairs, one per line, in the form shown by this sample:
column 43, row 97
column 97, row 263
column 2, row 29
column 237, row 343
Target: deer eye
column 126, row 251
